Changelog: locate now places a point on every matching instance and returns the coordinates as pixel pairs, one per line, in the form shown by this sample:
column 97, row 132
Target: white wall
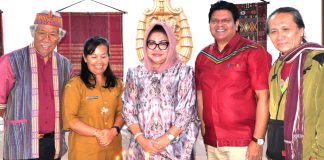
column 19, row 15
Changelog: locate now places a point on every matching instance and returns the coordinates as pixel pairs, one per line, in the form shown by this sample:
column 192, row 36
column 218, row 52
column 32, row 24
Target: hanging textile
column 253, row 22
column 81, row 26
column 1, row 35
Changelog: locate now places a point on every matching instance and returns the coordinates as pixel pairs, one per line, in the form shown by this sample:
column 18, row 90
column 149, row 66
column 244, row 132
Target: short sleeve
column 6, row 79
column 71, row 102
column 259, row 64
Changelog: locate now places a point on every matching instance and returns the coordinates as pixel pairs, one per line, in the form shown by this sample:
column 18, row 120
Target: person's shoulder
column 185, row 69
column 137, row 69
column 252, row 47
column 76, row 85
column 65, row 59
column 119, row 82
column 184, row 66
column 318, row 55
column 244, row 41
column 76, row 80
column 120, row 85
column 18, row 51
column 5, row 57
column 209, row 47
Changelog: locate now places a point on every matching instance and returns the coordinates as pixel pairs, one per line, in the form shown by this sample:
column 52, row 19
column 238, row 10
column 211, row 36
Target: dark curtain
column 1, row 35
column 253, row 22
column 80, row 26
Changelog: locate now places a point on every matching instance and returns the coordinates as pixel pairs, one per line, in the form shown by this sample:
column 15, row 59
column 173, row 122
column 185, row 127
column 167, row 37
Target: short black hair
column 223, row 5
column 89, row 47
column 298, row 19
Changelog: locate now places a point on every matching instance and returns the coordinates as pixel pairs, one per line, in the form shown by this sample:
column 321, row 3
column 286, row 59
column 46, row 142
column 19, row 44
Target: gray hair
column 33, row 27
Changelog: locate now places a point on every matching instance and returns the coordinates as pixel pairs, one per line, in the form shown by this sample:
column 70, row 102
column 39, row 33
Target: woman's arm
column 185, row 110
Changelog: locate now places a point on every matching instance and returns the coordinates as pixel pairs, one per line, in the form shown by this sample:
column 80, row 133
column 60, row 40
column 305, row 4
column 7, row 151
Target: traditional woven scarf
column 294, row 108
column 35, row 103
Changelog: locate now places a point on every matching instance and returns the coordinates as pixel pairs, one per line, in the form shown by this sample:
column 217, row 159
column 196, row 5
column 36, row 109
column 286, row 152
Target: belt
column 51, row 134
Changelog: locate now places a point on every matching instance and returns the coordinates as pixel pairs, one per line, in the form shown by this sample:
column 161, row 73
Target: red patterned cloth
column 253, row 21
column 81, row 26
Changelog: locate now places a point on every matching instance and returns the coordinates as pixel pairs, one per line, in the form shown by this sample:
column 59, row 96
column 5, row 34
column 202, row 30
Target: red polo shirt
column 228, row 90
column 46, row 95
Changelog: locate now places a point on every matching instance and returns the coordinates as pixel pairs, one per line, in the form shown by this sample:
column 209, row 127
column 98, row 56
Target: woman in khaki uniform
column 92, row 106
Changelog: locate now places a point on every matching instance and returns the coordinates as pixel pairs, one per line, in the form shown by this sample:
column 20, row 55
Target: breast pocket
column 239, row 67
column 237, row 71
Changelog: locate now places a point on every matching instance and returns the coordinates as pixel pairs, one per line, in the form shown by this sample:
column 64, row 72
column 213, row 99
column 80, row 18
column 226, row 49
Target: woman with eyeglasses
column 159, row 101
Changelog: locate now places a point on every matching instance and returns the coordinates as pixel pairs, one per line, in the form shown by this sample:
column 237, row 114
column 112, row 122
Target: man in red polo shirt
column 232, row 89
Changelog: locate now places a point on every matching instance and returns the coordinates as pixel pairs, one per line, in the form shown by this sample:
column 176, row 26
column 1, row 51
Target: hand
column 254, row 151
column 2, row 112
column 148, row 145
column 107, row 135
column 162, row 142
column 99, row 136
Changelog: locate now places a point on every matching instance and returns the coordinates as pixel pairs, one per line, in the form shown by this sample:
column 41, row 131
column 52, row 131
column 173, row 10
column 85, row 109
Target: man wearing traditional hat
column 31, row 85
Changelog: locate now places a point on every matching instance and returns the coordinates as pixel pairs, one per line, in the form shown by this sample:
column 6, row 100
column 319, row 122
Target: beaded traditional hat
column 49, row 19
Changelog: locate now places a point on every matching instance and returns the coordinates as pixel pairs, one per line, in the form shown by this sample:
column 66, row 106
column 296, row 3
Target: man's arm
column 6, row 82
column 200, row 110
column 262, row 113
column 262, row 116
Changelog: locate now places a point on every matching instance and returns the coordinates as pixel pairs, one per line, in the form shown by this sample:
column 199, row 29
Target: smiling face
column 46, row 39
column 284, row 32
column 97, row 62
column 222, row 26
column 157, row 56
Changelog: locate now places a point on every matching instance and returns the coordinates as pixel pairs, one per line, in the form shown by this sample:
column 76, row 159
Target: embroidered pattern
column 220, row 60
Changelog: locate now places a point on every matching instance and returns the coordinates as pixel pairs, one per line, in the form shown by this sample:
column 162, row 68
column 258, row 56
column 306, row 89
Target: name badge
column 91, row 97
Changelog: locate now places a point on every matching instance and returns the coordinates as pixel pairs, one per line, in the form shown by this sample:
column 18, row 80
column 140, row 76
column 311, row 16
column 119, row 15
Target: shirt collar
column 229, row 46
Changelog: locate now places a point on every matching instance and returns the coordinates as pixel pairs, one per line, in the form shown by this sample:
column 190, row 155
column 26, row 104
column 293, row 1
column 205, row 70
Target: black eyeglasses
column 163, row 45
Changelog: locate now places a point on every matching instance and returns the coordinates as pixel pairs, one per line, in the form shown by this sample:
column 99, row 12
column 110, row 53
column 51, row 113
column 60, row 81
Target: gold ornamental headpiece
column 49, row 19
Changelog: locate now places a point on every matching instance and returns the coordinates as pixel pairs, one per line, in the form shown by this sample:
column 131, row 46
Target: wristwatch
column 170, row 136
column 259, row 141
column 117, row 129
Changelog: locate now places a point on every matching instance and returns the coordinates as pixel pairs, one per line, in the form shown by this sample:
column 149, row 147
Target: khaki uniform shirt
column 95, row 107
